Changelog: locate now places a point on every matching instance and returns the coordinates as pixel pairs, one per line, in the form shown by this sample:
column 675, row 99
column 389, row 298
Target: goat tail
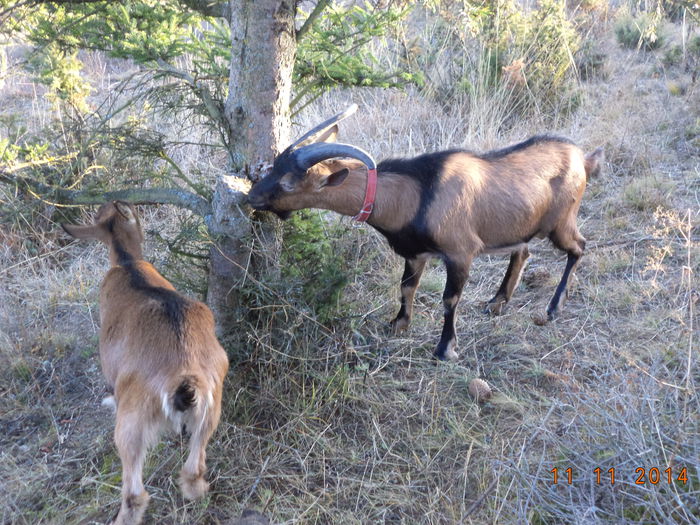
column 593, row 162
column 185, row 395
column 188, row 402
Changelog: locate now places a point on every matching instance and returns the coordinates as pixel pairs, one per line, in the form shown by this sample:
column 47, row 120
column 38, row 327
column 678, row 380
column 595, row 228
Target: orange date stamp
column 642, row 476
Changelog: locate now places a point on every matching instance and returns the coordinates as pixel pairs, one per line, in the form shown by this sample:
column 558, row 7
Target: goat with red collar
column 453, row 205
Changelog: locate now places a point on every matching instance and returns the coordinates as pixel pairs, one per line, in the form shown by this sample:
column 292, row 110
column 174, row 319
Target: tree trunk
column 257, row 112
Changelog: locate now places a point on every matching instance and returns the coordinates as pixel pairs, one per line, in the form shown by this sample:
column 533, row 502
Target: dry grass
column 341, row 423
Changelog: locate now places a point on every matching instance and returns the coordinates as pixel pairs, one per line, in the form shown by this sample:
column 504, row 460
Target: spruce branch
column 315, row 13
column 209, row 8
column 213, row 108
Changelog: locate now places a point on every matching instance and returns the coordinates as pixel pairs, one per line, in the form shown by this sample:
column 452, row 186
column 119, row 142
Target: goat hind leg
column 510, row 282
column 574, row 250
column 413, row 270
column 133, row 436
column 192, row 482
column 561, row 293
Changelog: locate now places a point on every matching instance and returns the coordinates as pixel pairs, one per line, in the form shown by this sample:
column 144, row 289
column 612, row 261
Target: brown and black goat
column 159, row 355
column 453, row 205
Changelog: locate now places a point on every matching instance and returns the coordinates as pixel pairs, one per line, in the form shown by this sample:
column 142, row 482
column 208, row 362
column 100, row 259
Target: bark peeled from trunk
column 257, row 113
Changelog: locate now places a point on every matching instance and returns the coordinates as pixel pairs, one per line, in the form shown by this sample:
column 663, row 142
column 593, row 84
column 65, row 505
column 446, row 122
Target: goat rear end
column 160, row 358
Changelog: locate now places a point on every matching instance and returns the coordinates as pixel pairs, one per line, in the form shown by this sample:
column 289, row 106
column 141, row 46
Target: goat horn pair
column 310, row 135
column 307, row 156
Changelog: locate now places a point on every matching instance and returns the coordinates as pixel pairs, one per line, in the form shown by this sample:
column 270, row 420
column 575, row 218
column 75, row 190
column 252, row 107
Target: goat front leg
column 413, row 270
column 457, row 273
column 510, row 282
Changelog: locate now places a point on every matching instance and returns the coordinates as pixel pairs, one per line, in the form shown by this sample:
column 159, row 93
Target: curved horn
column 307, row 156
column 318, row 130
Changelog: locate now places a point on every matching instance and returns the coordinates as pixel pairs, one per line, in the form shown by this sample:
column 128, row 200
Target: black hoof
column 494, row 307
column 448, row 354
column 399, row 325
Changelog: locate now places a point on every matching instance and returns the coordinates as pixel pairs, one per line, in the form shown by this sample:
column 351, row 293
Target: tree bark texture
column 257, row 112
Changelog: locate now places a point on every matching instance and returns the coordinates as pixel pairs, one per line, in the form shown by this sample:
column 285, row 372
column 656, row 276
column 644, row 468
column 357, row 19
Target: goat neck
column 395, row 203
column 348, row 197
column 124, row 250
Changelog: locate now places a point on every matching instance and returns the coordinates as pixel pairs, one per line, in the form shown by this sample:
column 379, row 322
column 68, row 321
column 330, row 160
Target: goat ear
column 83, row 232
column 125, row 211
column 330, row 135
column 337, row 178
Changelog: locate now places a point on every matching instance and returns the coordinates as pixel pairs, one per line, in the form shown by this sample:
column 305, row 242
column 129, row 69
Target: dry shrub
column 643, row 31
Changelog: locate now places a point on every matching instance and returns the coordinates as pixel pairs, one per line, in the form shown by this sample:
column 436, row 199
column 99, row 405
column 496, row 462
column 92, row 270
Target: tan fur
column 144, row 361
column 498, row 204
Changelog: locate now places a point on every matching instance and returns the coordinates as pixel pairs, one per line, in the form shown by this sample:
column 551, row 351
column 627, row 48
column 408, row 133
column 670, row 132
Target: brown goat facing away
column 159, row 355
column 453, row 205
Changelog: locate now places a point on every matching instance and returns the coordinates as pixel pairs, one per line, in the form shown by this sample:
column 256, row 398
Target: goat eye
column 286, row 183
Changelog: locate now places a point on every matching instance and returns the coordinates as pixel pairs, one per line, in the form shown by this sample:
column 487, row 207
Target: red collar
column 370, row 193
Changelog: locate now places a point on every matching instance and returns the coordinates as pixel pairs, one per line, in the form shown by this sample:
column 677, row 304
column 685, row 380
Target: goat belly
column 409, row 242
